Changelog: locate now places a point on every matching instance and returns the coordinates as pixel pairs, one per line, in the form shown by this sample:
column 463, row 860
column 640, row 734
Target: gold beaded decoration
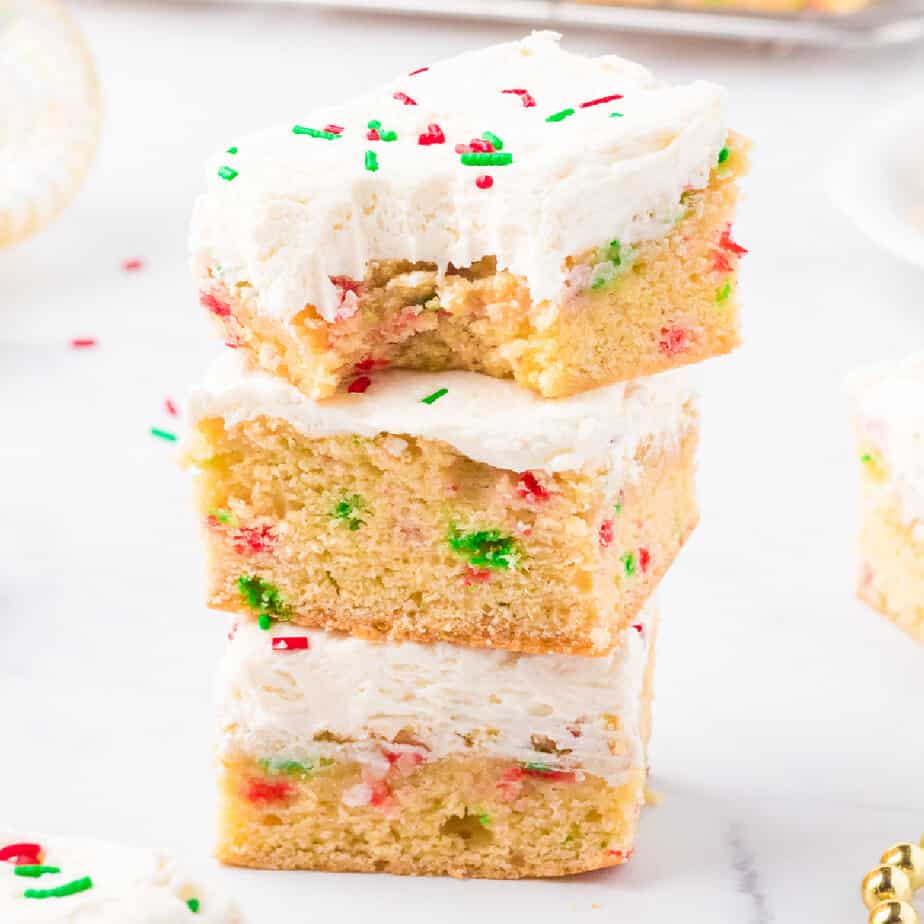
column 888, row 889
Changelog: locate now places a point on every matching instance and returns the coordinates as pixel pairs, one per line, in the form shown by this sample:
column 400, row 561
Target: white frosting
column 489, row 420
column 272, row 703
column 303, row 209
column 131, row 885
column 889, row 402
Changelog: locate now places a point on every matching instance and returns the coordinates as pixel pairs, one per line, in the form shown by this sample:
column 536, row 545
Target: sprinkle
column 606, row 533
column 559, row 116
column 193, row 905
column 265, row 622
column 132, row 265
column 359, row 385
column 227, row 173
column 638, row 627
column 726, row 243
column 315, row 132
column 333, row 129
column 233, row 344
column 79, row 343
column 251, row 540
column 33, row 872
column 222, row 516
column 722, row 293
column 723, row 155
column 16, row 851
column 534, row 769
column 373, row 123
column 346, row 510
column 369, row 363
column 484, row 181
column 490, row 136
column 372, row 161
column 373, row 135
column 232, row 150
column 433, row 135
column 644, row 559
column 620, row 856
column 389, row 135
column 163, row 434
column 615, row 115
column 435, row 396
column 419, row 70
column 476, row 576
column 262, row 596
column 484, row 819
column 276, row 766
column 628, row 561
column 866, row 458
column 170, row 408
column 529, row 488
column 215, row 305
column 265, row 791
column 487, row 160
column 404, row 98
column 525, row 97
column 346, row 284
column 485, row 548
column 674, row 340
column 720, row 262
column 290, row 643
column 61, row 891
column 600, row 100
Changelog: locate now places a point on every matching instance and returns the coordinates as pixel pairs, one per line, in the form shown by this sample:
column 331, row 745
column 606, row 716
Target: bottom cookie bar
column 345, row 754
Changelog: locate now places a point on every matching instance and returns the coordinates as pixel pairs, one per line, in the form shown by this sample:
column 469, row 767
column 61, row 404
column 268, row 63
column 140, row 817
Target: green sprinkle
column 232, row 150
column 223, row 516
column 628, row 562
column 435, row 396
column 314, row 132
column 61, row 891
column 265, row 621
column 615, row 115
column 372, row 161
column 490, row 136
column 484, row 819
column 537, row 767
column 499, row 159
column 193, row 905
column 276, row 767
column 866, row 458
column 262, row 596
column 163, row 434
column 723, row 155
column 227, row 173
column 617, row 509
column 33, row 872
column 346, row 510
column 614, row 253
column 559, row 116
column 485, row 548
column 388, row 136
column 374, row 124
column 723, row 293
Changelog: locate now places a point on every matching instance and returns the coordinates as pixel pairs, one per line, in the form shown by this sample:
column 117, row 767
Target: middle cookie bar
column 443, row 507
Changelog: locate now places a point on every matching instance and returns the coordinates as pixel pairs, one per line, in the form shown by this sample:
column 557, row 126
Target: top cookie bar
column 519, row 211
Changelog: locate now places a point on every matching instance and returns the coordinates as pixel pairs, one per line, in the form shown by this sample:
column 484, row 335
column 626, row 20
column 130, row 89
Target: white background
column 789, row 742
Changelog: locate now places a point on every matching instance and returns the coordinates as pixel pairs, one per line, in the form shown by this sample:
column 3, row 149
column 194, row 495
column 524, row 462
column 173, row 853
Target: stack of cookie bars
column 444, row 463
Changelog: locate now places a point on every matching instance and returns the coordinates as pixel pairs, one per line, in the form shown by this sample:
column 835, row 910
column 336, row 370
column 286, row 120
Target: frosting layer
column 600, row 151
column 130, row 885
column 357, row 697
column 889, row 407
column 489, row 420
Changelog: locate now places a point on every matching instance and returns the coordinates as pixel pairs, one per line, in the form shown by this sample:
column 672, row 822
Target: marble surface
column 788, row 743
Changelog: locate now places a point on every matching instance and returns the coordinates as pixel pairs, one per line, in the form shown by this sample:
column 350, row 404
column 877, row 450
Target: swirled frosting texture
column 302, row 209
column 290, row 704
column 130, row 885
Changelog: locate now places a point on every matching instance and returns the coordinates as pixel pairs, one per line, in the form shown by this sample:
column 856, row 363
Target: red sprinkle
column 720, row 262
column 599, row 100
column 606, row 533
column 253, row 539
column 171, row 408
column 512, row 775
column 394, row 756
column 133, row 265
column 81, row 342
column 562, row 776
column 216, row 306
column 529, row 488
column 476, row 576
column 380, row 792
column 333, row 129
column 484, row 181
column 372, row 134
column 433, row 135
column 675, row 340
column 644, row 559
column 419, row 70
column 368, row 364
column 266, row 791
column 404, row 98
column 638, row 627
column 291, row 643
column 18, row 851
column 525, row 97
column 726, row 243
column 346, row 284
column 358, row 386
column 621, row 856
column 233, row 344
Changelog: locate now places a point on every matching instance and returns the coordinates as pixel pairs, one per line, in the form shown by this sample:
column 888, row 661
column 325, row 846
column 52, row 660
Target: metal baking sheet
column 887, row 22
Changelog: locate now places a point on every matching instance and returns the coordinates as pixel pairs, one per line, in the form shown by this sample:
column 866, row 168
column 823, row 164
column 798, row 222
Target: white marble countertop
column 788, row 741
